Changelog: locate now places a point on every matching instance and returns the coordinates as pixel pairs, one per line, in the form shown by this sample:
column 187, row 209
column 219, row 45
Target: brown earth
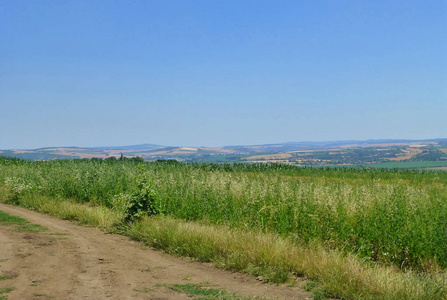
column 73, row 262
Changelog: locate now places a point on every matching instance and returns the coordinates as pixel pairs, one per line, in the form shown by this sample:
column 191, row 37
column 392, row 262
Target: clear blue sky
column 220, row 72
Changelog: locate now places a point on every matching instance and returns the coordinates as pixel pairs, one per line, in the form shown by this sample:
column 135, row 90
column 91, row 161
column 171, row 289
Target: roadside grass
column 359, row 234
column 7, row 219
column 44, row 296
column 20, row 224
column 143, row 290
column 204, row 292
column 7, row 277
column 339, row 274
column 385, row 216
column 84, row 214
column 5, row 291
column 270, row 256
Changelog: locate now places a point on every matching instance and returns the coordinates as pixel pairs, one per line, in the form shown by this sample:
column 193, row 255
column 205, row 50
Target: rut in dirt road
column 74, row 262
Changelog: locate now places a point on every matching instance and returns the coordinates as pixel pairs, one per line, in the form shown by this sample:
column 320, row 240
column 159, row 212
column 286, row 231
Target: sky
column 220, row 72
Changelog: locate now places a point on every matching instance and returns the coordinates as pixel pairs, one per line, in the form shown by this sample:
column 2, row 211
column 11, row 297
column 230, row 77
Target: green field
column 385, row 217
column 409, row 165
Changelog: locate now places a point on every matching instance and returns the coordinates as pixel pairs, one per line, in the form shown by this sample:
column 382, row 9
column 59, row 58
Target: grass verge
column 267, row 255
column 6, row 277
column 204, row 292
column 19, row 223
column 5, row 291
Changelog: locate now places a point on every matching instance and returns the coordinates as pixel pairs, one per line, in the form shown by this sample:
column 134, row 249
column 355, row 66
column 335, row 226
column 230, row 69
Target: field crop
column 386, row 217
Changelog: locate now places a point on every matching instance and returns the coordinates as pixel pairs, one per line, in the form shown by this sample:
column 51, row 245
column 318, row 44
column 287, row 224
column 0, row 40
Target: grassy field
column 372, row 219
column 409, row 165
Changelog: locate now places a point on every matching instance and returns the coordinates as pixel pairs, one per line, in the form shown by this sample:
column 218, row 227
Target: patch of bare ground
column 407, row 154
column 75, row 262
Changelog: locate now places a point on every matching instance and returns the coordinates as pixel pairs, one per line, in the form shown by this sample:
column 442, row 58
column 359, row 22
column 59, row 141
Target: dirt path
column 75, row 262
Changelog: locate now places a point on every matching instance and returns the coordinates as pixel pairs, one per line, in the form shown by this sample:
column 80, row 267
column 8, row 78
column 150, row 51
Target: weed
column 187, row 277
column 7, row 219
column 143, row 290
column 20, row 223
column 58, row 239
column 44, row 295
column 310, row 285
column 32, row 228
column 195, row 290
column 6, row 290
column 6, row 277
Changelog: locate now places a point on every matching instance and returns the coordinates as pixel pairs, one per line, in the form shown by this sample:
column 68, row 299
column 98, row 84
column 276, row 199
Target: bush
column 142, row 202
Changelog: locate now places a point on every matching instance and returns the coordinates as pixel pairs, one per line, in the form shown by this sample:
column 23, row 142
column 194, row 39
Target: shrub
column 142, row 202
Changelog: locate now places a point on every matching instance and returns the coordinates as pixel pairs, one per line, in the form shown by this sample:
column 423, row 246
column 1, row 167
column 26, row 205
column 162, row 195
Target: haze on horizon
column 215, row 73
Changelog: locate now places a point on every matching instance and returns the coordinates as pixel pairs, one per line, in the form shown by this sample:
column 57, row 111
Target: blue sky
column 220, row 72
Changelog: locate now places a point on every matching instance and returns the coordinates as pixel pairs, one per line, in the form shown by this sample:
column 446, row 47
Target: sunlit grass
column 357, row 233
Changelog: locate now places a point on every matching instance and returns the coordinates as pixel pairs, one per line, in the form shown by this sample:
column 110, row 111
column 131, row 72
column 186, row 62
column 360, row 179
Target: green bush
column 143, row 201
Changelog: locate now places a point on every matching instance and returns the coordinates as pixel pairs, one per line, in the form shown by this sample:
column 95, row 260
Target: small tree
column 142, row 202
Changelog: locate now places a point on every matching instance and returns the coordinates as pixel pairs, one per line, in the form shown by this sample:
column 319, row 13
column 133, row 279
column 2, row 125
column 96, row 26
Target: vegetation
column 204, row 292
column 409, row 165
column 5, row 291
column 6, row 277
column 347, row 229
column 19, row 223
column 142, row 202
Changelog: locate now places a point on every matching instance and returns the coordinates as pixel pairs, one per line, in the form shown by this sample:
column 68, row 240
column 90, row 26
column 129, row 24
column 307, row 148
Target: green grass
column 7, row 219
column 20, row 224
column 204, row 292
column 44, row 295
column 266, row 255
column 143, row 290
column 273, row 257
column 6, row 290
column 361, row 219
column 6, row 277
column 409, row 164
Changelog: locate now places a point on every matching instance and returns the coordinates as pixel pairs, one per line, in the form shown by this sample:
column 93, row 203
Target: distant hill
column 384, row 153
column 132, row 147
column 309, row 145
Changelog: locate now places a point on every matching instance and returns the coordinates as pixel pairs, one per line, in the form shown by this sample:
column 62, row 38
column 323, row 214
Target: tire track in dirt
column 76, row 262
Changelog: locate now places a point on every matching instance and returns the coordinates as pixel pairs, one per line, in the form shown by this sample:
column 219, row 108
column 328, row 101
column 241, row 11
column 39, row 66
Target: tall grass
column 340, row 275
column 268, row 256
column 338, row 226
column 386, row 216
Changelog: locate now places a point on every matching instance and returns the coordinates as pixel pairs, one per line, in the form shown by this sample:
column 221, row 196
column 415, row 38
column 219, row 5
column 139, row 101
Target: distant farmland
column 391, row 154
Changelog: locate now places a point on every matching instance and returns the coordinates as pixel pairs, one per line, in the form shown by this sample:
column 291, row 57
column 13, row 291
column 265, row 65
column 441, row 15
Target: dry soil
column 74, row 262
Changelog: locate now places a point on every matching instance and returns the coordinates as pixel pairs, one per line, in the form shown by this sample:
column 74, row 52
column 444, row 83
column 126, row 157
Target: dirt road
column 74, row 262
